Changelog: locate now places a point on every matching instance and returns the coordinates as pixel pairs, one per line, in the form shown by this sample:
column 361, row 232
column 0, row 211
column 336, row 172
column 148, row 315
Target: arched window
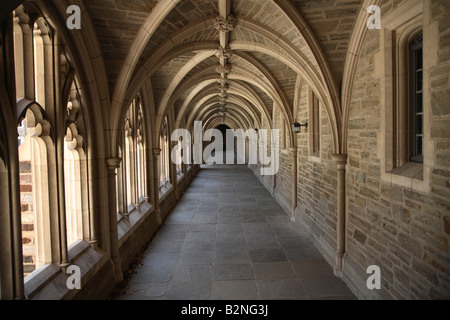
column 19, row 58
column 140, row 157
column 75, row 185
column 179, row 155
column 33, row 51
column 35, row 152
column 416, row 97
column 40, row 41
column 130, row 181
column 52, row 155
column 406, row 99
column 129, row 159
column 120, row 192
column 164, row 160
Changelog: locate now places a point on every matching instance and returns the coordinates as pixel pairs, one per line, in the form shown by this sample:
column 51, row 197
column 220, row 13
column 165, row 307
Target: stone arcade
column 87, row 115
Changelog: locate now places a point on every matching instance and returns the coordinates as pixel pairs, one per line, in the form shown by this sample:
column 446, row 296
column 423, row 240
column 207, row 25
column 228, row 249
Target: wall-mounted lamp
column 256, row 130
column 297, row 127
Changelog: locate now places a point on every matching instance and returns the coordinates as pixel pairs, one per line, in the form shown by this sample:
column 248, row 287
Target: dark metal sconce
column 297, row 127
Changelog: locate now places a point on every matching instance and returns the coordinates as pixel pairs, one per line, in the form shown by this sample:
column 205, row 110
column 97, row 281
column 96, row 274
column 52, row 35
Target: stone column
column 156, row 155
column 293, row 154
column 16, row 254
column 112, row 165
column 174, row 173
column 341, row 161
column 60, row 118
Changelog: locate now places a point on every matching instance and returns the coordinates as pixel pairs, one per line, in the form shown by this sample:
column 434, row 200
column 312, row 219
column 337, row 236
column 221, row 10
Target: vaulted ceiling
column 227, row 58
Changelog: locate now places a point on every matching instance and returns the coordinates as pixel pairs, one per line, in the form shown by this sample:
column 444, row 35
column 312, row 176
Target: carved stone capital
column 224, row 69
column 156, row 153
column 222, row 81
column 222, row 52
column 340, row 159
column 222, row 24
column 223, row 87
column 293, row 151
column 113, row 163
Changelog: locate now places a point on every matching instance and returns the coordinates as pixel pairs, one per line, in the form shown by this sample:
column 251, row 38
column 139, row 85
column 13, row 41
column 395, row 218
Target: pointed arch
column 157, row 15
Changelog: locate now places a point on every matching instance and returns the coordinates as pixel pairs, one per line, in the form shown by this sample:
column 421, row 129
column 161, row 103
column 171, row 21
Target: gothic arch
column 356, row 42
column 39, row 151
column 158, row 14
column 311, row 76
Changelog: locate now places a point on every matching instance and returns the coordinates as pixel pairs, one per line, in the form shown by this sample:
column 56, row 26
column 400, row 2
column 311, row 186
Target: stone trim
column 395, row 167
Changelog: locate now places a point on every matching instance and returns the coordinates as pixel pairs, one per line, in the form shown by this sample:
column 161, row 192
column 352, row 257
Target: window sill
column 315, row 157
column 164, row 191
column 414, row 176
column 39, row 278
column 411, row 170
column 50, row 283
column 127, row 225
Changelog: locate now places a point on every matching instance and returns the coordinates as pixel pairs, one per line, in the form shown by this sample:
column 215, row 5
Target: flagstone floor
column 228, row 239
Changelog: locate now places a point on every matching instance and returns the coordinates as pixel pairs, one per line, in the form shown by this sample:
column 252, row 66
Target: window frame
column 131, row 188
column 415, row 46
column 314, row 125
column 391, row 69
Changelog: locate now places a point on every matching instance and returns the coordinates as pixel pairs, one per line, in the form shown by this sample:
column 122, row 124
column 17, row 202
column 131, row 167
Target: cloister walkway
column 228, row 239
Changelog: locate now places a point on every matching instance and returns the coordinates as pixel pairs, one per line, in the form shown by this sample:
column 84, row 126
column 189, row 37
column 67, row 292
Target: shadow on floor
column 228, row 239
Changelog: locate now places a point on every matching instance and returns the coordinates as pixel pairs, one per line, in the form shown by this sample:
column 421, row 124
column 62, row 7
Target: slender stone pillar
column 19, row 290
column 174, row 173
column 60, row 118
column 293, row 154
column 112, row 165
column 341, row 161
column 156, row 155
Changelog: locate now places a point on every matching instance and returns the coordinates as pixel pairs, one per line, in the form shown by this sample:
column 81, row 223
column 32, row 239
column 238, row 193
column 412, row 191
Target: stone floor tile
column 267, row 255
column 233, row 271
column 324, row 287
column 232, row 255
column 280, row 289
column 312, row 269
column 146, row 291
column 273, row 270
column 234, row 290
column 205, row 257
column 228, row 239
column 160, row 259
column 166, row 246
column 153, row 275
column 189, row 273
column 303, row 254
column 189, row 291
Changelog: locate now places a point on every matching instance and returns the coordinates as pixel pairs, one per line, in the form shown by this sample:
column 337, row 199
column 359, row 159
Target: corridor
column 228, row 239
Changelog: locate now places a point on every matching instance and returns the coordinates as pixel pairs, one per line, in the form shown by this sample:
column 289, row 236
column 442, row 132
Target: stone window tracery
column 52, row 151
column 164, row 159
column 130, row 180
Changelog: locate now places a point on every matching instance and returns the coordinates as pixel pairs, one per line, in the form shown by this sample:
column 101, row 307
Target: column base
column 338, row 269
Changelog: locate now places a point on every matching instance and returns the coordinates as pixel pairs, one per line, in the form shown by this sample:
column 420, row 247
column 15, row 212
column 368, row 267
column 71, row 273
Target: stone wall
column 401, row 229
column 283, row 186
column 316, row 183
